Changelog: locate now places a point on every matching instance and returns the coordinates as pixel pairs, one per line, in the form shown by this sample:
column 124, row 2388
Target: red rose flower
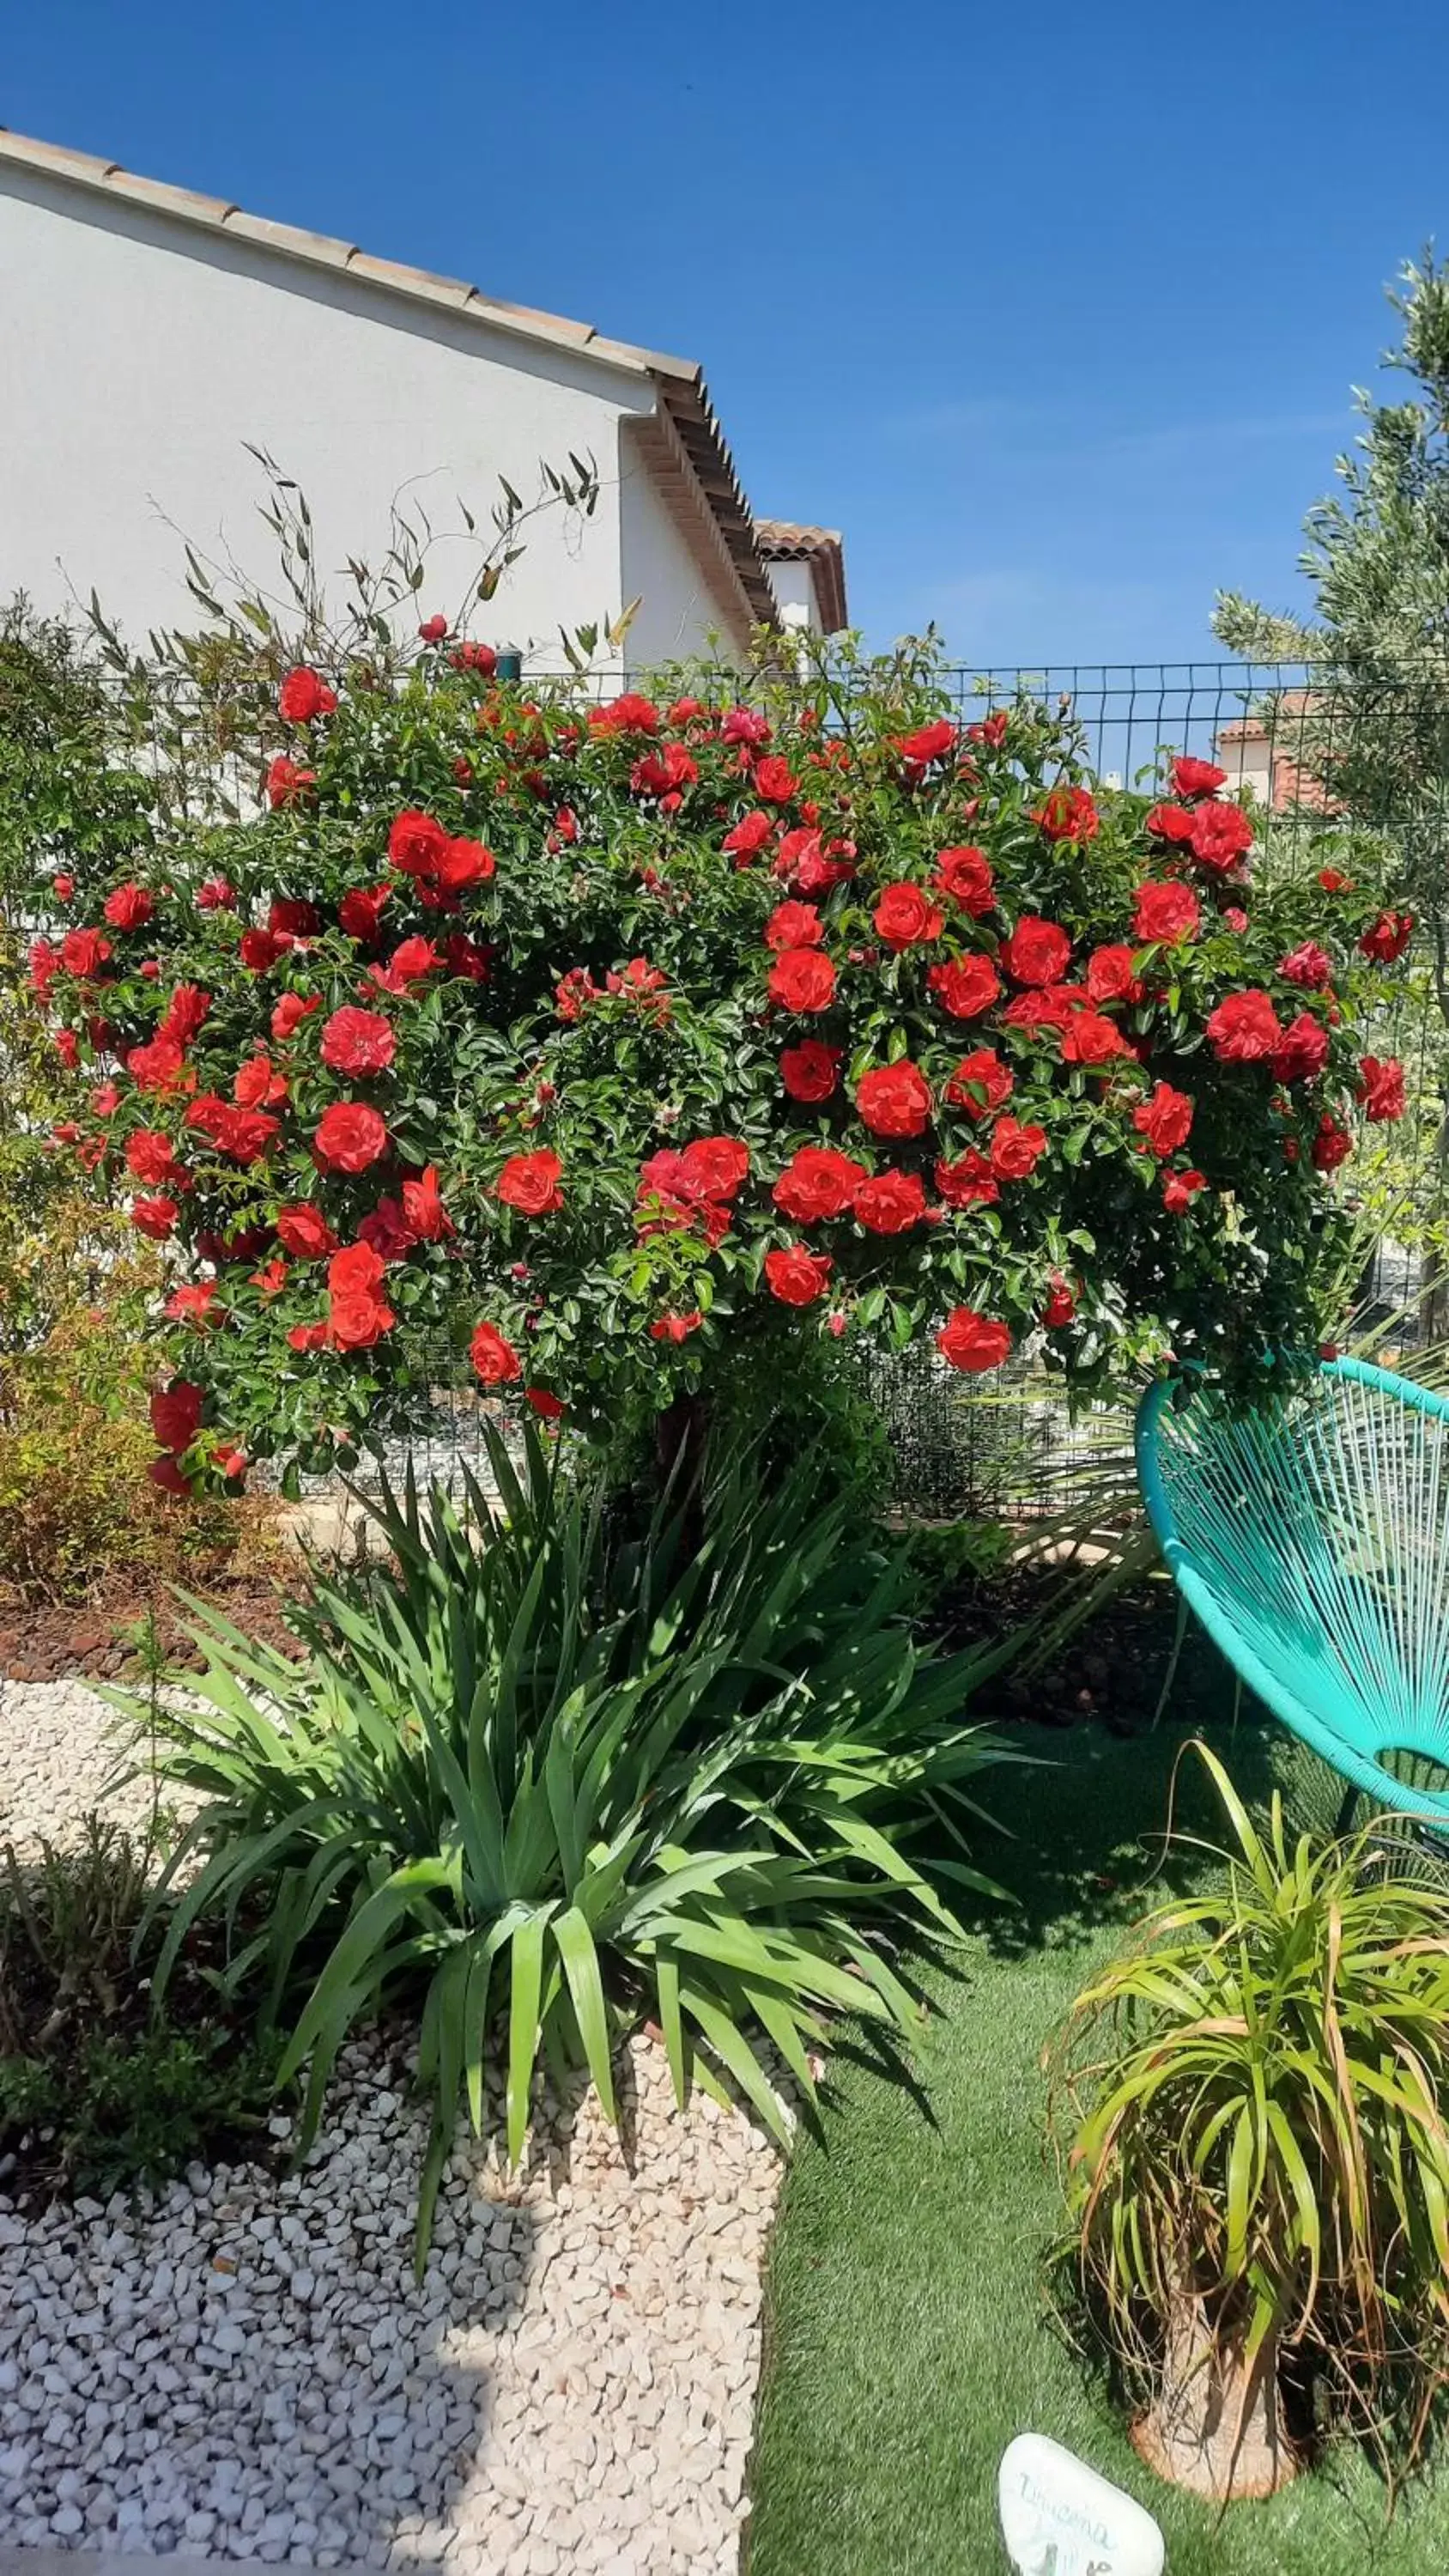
column 548, row 1407
column 62, row 887
column 744, row 725
column 973, row 1342
column 1164, row 1118
column 360, row 1042
column 1302, row 1051
column 991, row 730
column 475, row 657
column 530, row 1183
column 775, row 780
column 1061, row 1304
column 166, row 1472
column 83, row 953
column 1381, row 1087
column 980, row 1083
column 1050, row 1006
column 416, row 844
column 965, row 875
column 904, row 918
column 462, row 956
column 1332, row 1145
column 247, row 1134
column 965, row 986
column 675, row 1328
column 261, row 949
column 626, row 714
column 664, row 773
column 1310, row 966
column 176, row 1414
column 797, row 1277
column 810, row 1070
column 749, row 836
column 303, row 696
column 1244, row 1028
column 130, row 907
column 1037, row 951
column 572, row 992
column 1384, row 940
column 193, row 1305
column 433, row 629
column 1167, row 912
column 287, row 784
column 67, row 1047
column 424, row 1209
column 1170, row 823
column 894, row 1100
column 463, row 863
column 357, row 1312
column 929, row 742
column 890, row 1202
column 350, row 1136
column 1015, row 1150
column 494, row 1358
column 1179, row 1189
column 968, row 1182
column 1234, row 917
column 217, row 895
column 802, row 979
column 794, row 925
column 1110, row 977
column 289, row 1013
column 151, row 1156
column 159, row 1067
column 1333, row 881
column 1220, row 836
column 361, row 909
column 1194, row 778
column 304, row 1231
column 1068, row 814
column 1089, row 1037
column 714, row 1167
column 817, row 1182
column 155, row 1217
column 185, row 1014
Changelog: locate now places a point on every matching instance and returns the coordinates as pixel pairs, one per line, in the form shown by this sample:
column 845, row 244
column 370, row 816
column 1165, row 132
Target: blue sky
column 1053, row 310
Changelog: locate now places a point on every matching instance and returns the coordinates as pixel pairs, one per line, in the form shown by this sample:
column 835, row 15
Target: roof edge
column 679, row 387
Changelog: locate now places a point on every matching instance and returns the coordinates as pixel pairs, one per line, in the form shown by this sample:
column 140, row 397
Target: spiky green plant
column 1250, row 2106
column 535, row 1777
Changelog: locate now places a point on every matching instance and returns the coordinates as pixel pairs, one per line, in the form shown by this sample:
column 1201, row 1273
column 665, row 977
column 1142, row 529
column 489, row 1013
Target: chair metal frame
column 1407, row 1730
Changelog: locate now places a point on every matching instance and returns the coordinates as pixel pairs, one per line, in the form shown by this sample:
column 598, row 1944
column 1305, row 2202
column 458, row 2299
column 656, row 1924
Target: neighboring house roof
column 787, row 541
column 681, row 393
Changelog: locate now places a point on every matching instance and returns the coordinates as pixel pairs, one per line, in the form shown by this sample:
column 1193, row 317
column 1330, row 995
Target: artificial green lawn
column 907, row 2335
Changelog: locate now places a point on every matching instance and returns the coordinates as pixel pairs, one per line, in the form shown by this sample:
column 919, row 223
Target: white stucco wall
column 794, row 587
column 683, row 597
column 138, row 354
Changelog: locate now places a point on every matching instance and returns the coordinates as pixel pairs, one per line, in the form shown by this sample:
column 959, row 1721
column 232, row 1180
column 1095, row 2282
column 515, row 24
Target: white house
column 149, row 336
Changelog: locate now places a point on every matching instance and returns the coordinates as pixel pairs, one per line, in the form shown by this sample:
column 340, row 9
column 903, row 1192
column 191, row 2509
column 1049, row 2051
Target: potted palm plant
column 1249, row 2110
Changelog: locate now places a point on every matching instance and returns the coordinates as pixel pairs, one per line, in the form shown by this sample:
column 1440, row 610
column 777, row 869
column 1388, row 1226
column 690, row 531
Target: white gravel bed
column 244, row 2368
column 59, row 1744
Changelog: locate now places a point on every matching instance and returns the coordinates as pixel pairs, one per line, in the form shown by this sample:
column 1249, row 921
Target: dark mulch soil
column 1111, row 1672
column 51, row 1641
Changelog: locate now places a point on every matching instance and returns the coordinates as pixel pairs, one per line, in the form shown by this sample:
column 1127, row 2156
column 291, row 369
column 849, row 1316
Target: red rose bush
column 606, row 1043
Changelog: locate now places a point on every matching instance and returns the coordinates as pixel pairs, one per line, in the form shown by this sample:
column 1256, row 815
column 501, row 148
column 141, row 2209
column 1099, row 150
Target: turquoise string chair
column 1310, row 1535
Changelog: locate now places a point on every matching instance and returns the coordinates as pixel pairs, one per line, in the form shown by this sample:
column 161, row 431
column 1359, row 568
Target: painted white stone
column 1060, row 2518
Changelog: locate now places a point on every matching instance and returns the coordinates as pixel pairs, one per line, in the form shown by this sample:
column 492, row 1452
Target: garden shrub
column 98, row 2090
column 556, row 1773
column 636, row 1047
column 77, row 1507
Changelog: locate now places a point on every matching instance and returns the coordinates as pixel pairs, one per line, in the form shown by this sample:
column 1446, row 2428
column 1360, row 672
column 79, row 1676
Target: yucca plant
column 535, row 1777
column 1250, row 2110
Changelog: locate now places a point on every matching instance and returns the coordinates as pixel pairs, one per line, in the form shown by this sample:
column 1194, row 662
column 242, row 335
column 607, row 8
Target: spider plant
column 1249, row 2109
column 535, row 1778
